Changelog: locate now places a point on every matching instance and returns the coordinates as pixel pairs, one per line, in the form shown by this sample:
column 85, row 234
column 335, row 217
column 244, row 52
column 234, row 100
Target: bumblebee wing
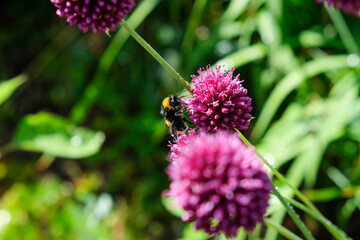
column 184, row 94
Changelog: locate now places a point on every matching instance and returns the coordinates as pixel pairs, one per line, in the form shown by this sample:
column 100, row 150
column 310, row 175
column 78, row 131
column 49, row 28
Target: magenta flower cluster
column 219, row 101
column 220, row 183
column 348, row 6
column 98, row 15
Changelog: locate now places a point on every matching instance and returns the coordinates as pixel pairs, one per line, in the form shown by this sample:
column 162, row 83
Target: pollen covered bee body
column 171, row 109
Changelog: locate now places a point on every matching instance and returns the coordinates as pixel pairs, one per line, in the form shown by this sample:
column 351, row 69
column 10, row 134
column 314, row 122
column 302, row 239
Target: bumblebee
column 171, row 109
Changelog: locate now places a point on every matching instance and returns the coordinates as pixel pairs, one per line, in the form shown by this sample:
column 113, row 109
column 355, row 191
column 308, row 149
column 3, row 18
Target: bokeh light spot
column 5, row 217
column 353, row 60
column 76, row 141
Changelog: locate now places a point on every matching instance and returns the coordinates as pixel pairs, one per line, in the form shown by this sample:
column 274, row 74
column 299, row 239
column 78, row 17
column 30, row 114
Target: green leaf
column 234, row 10
column 54, row 135
column 190, row 233
column 9, row 86
column 293, row 215
column 169, row 204
column 289, row 83
column 333, row 229
column 280, row 229
column 243, row 56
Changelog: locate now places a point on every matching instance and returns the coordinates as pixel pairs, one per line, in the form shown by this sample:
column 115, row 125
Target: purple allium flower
column 95, row 14
column 219, row 182
column 219, row 102
column 348, row 6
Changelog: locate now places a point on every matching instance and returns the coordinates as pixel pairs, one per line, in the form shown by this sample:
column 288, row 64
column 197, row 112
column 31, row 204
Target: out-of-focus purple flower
column 219, row 181
column 98, row 15
column 348, row 6
column 219, row 101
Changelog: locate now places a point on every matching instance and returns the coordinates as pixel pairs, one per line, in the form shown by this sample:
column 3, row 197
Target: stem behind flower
column 157, row 56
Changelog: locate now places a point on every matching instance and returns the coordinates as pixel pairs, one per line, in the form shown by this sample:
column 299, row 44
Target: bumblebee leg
column 172, row 130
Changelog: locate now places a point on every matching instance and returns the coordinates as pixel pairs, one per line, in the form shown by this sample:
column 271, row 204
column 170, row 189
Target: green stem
column 153, row 53
column 243, row 138
column 293, row 215
column 343, row 30
column 280, row 229
column 334, row 230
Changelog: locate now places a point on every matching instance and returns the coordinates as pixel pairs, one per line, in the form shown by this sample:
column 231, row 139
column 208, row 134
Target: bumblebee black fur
column 171, row 109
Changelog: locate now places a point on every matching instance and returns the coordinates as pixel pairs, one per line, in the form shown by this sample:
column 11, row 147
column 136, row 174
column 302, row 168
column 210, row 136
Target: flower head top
column 348, row 6
column 219, row 182
column 98, row 15
column 219, row 102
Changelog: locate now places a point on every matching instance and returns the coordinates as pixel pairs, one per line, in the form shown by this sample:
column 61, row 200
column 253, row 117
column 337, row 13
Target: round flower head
column 99, row 15
column 219, row 102
column 219, row 182
column 348, row 6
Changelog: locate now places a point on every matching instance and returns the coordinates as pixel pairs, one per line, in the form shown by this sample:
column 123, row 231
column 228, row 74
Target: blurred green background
column 83, row 148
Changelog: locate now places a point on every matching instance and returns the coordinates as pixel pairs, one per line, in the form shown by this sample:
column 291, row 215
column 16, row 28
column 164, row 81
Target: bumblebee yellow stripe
column 166, row 103
column 167, row 123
